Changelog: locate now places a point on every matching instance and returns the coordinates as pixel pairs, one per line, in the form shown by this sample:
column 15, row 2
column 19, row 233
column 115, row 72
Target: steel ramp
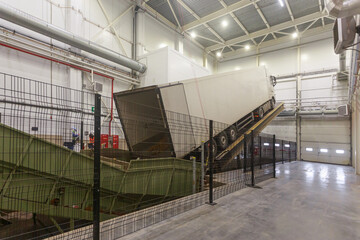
column 235, row 148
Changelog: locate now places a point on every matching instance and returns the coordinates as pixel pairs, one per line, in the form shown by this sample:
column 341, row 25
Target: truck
column 171, row 120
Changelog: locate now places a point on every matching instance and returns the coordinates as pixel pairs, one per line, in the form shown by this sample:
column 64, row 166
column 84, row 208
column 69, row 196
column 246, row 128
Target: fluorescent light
column 237, row 68
column 224, row 23
column 247, row 47
column 340, row 151
column 287, row 145
column 162, row 45
column 193, row 34
column 277, row 145
column 295, row 35
column 323, row 150
column 309, row 149
column 281, row 3
column 218, row 54
column 266, row 144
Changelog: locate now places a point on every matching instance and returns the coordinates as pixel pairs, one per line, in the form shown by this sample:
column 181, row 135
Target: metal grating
column 182, row 14
column 273, row 12
column 162, row 7
column 204, row 42
column 204, row 32
column 303, row 7
column 201, row 8
column 250, row 18
column 231, row 31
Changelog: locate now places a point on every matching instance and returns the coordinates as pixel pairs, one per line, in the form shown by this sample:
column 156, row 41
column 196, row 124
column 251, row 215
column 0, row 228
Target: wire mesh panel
column 154, row 163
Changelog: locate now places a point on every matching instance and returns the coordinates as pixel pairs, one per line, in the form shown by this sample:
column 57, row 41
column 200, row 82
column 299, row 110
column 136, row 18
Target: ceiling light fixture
column 224, row 23
column 193, row 35
column 281, row 3
column 247, row 47
column 295, row 35
column 218, row 54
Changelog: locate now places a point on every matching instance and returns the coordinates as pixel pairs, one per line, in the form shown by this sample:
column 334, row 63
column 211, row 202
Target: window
column 340, row 151
column 277, row 145
column 287, row 145
column 266, row 144
column 309, row 149
column 323, row 150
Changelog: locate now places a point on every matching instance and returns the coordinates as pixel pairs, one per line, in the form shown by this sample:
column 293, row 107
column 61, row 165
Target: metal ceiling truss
column 282, row 40
column 270, row 30
column 187, row 8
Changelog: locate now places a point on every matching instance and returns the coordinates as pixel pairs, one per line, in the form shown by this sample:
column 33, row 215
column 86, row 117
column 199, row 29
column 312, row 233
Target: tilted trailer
column 169, row 120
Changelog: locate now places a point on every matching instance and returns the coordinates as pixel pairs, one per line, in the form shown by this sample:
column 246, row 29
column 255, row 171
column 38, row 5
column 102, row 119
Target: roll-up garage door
column 326, row 140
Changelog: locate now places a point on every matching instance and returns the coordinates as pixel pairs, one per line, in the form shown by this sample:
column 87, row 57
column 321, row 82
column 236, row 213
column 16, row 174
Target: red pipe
column 54, row 60
column 112, row 106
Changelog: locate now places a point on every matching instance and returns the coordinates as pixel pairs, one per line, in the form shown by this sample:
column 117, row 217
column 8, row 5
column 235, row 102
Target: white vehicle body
column 224, row 98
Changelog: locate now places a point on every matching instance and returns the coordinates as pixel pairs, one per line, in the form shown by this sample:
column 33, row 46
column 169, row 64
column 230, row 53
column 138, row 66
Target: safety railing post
column 252, row 160
column 96, row 188
column 260, row 154
column 82, row 135
column 245, row 152
column 194, row 173
column 202, row 166
column 274, row 158
column 211, row 161
column 289, row 151
column 282, row 151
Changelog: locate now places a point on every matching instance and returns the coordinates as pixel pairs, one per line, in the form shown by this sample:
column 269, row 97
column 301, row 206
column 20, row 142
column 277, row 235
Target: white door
column 326, row 140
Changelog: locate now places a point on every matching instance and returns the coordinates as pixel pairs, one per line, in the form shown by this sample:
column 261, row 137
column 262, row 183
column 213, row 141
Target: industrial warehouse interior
column 180, row 119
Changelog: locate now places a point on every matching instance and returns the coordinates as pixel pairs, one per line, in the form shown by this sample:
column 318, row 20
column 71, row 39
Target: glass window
column 323, row 150
column 309, row 149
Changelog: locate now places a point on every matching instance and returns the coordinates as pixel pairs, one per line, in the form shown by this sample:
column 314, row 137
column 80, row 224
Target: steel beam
column 270, row 30
column 231, row 8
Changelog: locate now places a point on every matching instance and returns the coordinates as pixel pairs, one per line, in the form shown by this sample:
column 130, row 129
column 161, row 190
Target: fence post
column 96, row 189
column 260, row 147
column 274, row 159
column 282, row 151
column 252, row 160
column 211, row 159
column 245, row 152
column 194, row 173
column 289, row 152
column 202, row 165
column 82, row 135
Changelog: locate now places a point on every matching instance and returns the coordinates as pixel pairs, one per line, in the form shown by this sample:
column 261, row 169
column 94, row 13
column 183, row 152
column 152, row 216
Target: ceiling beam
column 263, row 18
column 187, row 8
column 231, row 8
column 291, row 13
column 172, row 10
column 275, row 28
column 112, row 28
column 280, row 40
column 237, row 21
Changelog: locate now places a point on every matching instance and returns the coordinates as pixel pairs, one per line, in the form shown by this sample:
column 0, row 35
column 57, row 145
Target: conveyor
column 40, row 177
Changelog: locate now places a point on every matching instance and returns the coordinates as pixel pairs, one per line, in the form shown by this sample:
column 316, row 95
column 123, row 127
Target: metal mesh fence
column 154, row 163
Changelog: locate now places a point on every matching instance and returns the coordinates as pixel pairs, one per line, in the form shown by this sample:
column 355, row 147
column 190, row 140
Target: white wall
column 86, row 19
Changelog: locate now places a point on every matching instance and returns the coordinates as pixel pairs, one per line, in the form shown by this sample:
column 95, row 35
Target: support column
column 298, row 104
column 179, row 43
column 205, row 60
column 357, row 146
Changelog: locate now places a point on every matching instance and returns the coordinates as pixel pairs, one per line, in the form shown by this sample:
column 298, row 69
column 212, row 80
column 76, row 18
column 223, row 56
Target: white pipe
column 25, row 20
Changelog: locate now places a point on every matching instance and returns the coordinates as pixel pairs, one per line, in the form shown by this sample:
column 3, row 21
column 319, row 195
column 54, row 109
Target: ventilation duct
column 343, row 8
column 25, row 20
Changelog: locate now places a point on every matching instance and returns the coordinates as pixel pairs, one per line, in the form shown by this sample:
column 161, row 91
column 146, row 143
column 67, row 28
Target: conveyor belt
column 234, row 149
column 38, row 176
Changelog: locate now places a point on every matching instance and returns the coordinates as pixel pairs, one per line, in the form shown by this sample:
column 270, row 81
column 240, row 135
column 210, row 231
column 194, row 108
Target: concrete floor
column 307, row 201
